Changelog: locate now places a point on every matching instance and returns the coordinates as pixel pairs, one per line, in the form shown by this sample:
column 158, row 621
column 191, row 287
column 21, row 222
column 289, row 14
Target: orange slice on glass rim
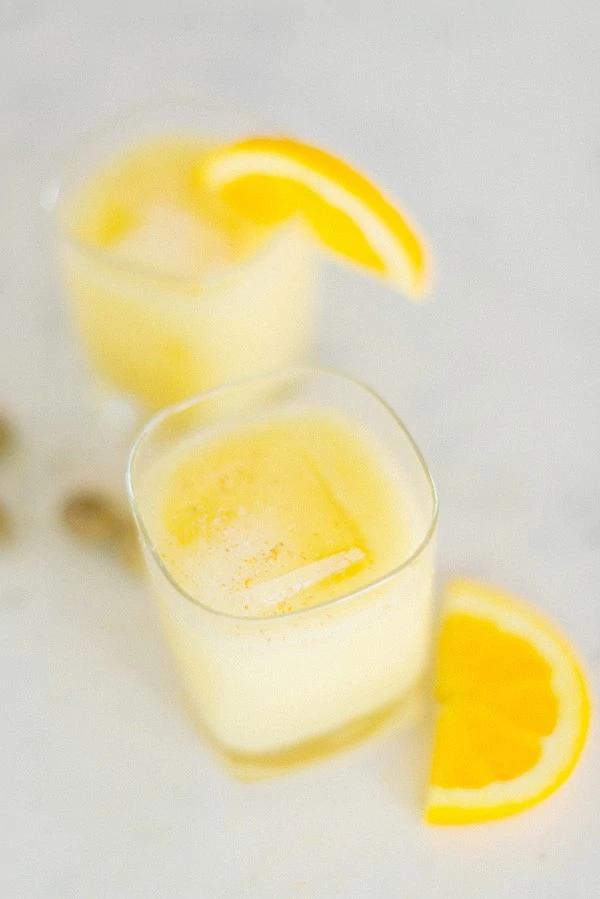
column 270, row 179
column 514, row 708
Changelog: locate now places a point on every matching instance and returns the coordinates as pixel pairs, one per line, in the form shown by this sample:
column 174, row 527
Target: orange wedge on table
column 514, row 708
column 270, row 179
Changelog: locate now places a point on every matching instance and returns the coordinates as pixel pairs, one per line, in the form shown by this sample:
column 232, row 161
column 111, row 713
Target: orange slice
column 269, row 179
column 514, row 708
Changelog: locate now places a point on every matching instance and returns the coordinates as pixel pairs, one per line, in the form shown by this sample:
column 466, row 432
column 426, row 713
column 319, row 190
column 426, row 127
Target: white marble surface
column 484, row 118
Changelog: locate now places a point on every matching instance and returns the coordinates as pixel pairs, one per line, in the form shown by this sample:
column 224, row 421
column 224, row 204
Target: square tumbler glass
column 278, row 689
column 155, row 328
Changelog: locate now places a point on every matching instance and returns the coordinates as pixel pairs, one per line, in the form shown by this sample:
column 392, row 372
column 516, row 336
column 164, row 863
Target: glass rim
column 104, row 256
column 280, row 375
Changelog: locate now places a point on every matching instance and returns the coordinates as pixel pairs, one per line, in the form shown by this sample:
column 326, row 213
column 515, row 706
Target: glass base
column 401, row 712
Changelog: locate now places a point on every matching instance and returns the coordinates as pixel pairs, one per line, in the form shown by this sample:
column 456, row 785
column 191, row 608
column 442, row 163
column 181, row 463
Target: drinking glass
column 157, row 336
column 273, row 690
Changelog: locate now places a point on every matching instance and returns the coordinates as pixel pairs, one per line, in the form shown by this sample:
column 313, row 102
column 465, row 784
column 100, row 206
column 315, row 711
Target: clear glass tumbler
column 273, row 691
column 156, row 336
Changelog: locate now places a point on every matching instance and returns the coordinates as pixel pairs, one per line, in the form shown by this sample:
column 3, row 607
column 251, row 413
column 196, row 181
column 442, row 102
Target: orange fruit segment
column 270, row 179
column 514, row 708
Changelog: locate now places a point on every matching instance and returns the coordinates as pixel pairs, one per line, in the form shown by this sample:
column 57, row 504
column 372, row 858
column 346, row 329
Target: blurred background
column 483, row 118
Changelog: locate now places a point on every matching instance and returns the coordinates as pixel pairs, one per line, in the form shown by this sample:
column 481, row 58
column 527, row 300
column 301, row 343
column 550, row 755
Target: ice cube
column 256, row 523
column 174, row 241
column 270, row 594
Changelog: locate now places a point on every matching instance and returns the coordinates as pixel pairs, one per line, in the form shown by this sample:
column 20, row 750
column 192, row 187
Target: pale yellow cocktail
column 171, row 290
column 288, row 528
